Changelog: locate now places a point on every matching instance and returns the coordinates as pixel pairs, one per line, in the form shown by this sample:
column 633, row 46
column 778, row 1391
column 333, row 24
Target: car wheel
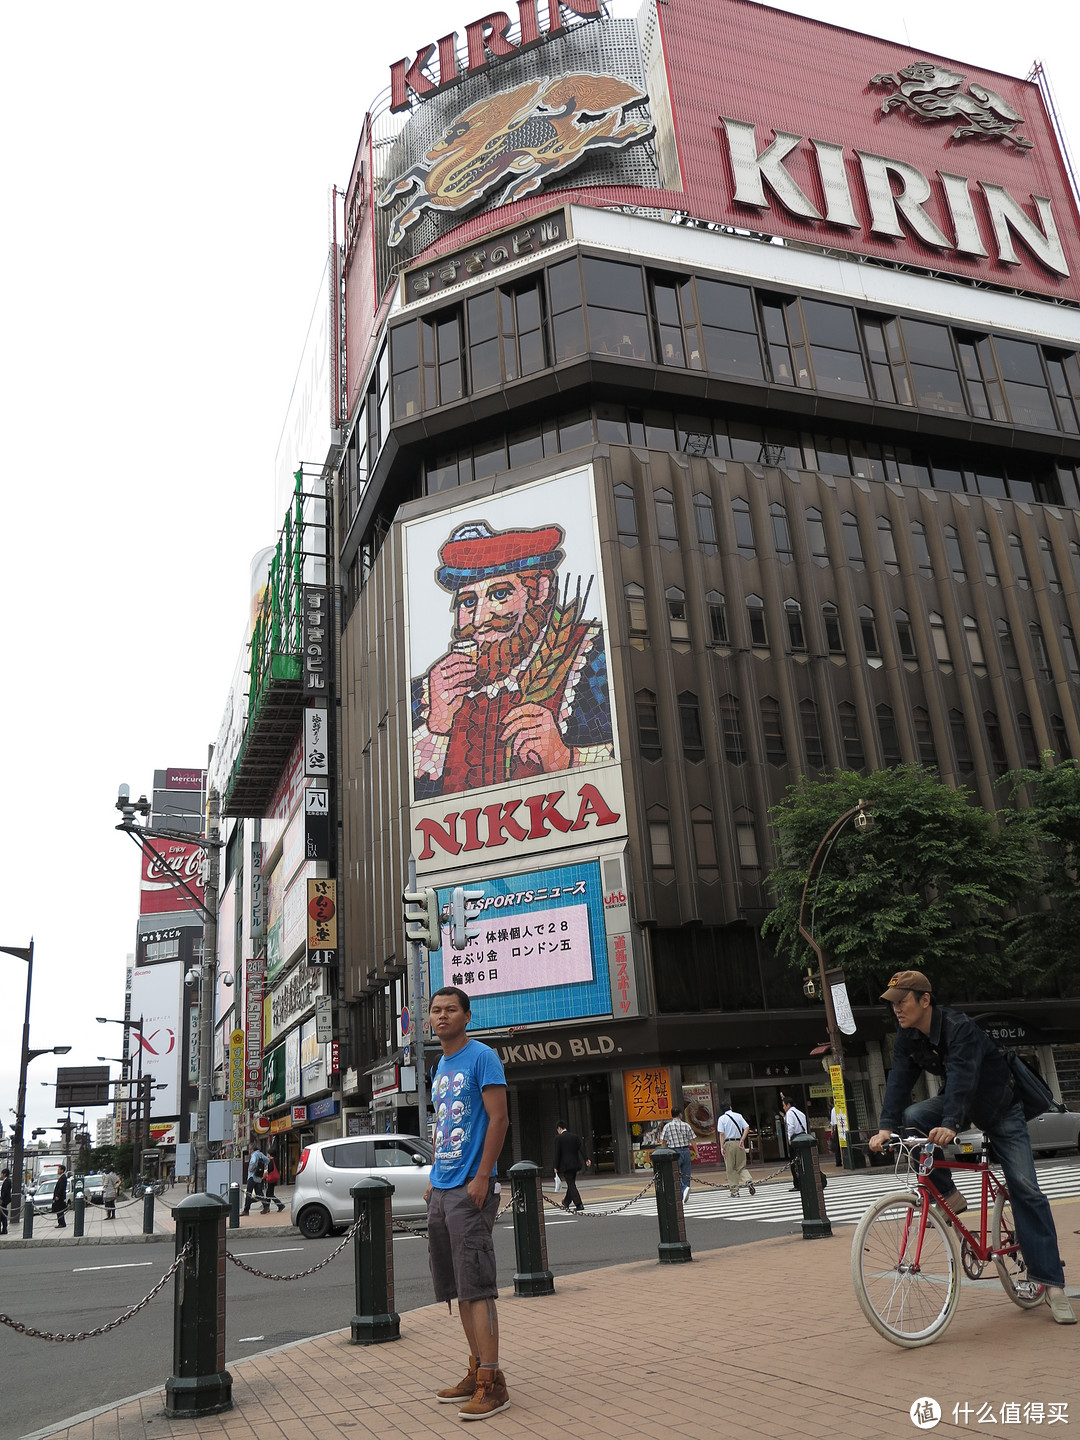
column 313, row 1222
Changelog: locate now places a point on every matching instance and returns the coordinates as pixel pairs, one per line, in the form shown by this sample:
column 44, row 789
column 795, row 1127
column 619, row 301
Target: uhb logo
column 617, row 897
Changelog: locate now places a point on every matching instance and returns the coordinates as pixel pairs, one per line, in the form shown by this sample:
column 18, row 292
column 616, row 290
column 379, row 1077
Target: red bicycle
column 909, row 1249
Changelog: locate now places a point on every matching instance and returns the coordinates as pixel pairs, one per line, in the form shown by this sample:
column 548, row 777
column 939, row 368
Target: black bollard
column 234, row 1205
column 199, row 1384
column 28, row 1217
column 674, row 1248
column 815, row 1222
column 148, row 1210
column 375, row 1320
column 80, row 1214
column 530, row 1233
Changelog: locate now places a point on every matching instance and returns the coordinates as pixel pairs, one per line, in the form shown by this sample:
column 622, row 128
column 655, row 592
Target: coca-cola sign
column 159, row 892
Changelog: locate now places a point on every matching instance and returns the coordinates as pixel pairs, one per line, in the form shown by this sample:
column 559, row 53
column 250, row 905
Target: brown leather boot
column 464, row 1389
column 490, row 1396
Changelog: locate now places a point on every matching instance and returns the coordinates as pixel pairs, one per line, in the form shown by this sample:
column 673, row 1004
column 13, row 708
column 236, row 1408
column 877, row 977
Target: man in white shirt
column 731, row 1131
column 795, row 1123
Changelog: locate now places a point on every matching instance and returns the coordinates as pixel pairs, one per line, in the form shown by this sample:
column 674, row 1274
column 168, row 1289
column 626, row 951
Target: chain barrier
column 601, row 1214
column 356, row 1228
column 33, row 1334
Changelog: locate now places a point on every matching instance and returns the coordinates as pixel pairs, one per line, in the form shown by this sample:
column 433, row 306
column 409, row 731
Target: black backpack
column 260, row 1169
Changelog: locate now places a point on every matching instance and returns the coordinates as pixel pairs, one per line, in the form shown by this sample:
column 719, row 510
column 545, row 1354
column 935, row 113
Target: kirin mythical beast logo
column 933, row 93
column 518, row 138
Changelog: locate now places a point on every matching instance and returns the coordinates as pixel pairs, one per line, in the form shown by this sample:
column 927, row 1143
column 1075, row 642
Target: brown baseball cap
column 905, row 980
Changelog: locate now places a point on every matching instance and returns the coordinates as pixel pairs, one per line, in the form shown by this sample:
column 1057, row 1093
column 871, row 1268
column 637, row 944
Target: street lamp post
column 143, row 1099
column 863, row 822
column 25, row 1056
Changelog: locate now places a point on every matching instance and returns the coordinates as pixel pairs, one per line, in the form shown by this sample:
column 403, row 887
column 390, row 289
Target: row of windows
column 733, row 439
column 795, row 633
column 705, row 853
column 775, row 750
column 587, row 305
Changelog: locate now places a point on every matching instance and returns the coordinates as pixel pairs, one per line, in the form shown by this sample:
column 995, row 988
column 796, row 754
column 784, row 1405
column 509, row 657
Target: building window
column 940, row 641
column 815, row 535
column 746, row 837
column 869, row 636
column 704, row 838
column 904, row 637
column 954, row 555
column 1028, row 743
column 626, row 515
column 1050, row 574
column 666, row 526
column 1008, row 650
column 890, row 738
column 1072, row 658
column 886, row 355
column 615, row 306
column 773, row 731
column 921, row 550
column 567, row 318
column 1060, row 737
column 787, row 349
column 986, row 555
column 690, row 722
column 811, row 733
column 648, row 723
column 729, row 330
column 755, row 611
column 974, row 645
column 834, row 348
column 678, row 625
column 932, row 367
column 744, row 528
column 1019, row 563
column 731, row 724
column 660, row 844
column 924, row 738
column 1025, row 384
column 673, row 306
column 1040, row 652
column 852, row 542
column 405, row 365
column 996, row 743
column 781, row 537
column 1065, row 382
column 441, row 356
column 854, row 759
column 793, row 613
column 980, row 373
column 964, row 763
column 637, row 622
column 834, row 640
column 887, row 546
column 706, row 523
column 718, row 627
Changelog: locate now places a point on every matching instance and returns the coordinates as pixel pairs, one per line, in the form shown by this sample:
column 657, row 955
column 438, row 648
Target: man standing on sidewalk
column 732, row 1130
column 258, row 1160
column 469, row 1095
column 795, row 1124
column 678, row 1134
column 5, row 1200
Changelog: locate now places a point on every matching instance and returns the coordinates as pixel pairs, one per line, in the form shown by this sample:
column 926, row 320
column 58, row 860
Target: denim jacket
column 977, row 1085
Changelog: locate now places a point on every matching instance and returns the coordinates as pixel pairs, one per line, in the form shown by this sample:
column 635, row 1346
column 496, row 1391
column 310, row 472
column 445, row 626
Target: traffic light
column 466, row 913
column 422, row 918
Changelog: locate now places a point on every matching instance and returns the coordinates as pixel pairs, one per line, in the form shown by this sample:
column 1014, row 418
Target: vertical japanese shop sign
column 648, row 1094
column 316, row 641
column 316, row 824
column 322, row 922
column 237, row 1061
column 316, row 753
column 253, row 1012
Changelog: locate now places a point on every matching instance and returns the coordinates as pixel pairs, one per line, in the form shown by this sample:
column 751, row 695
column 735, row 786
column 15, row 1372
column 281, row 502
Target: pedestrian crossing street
column 847, row 1197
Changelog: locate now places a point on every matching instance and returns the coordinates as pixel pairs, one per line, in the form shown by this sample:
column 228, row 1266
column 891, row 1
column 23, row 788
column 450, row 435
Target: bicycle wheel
column 1012, row 1271
column 909, row 1304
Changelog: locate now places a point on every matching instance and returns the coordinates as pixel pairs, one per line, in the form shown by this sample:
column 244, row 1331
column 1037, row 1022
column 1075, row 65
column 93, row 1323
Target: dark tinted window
column 353, row 1155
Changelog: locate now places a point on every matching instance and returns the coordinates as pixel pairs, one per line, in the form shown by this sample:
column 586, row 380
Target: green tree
column 1046, row 936
column 929, row 887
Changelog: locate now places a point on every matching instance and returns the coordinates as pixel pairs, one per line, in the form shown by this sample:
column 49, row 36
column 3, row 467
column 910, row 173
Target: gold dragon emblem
column 518, row 138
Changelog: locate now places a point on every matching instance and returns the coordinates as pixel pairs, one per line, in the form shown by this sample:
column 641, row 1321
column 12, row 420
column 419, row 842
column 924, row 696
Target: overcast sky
column 165, row 175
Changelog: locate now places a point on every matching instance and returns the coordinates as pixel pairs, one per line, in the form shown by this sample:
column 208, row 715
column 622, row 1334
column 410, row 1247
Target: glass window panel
column 729, row 306
column 718, row 628
column 796, row 636
column 731, row 725
column 924, row 738
column 838, row 371
column 442, row 474
column 928, row 344
column 671, row 346
column 569, row 334
column 485, row 365
column 940, row 641
column 1008, row 650
column 937, row 389
column 834, row 640
column 660, row 841
column 1031, row 405
column 905, row 638
column 531, row 350
column 961, row 744
column 999, row 761
column 636, row 617
column 732, row 352
column 921, row 550
column 1019, row 360
column 677, row 620
column 815, row 534
column 986, row 556
column 889, row 735
column 755, row 610
column 489, row 458
column 745, row 440
column 564, row 287
column 832, row 455
column 619, row 332
column 1019, row 563
column 526, row 446
column 694, row 435
column 706, row 523
column 1050, row 573
column 869, row 632
column 947, row 478
column 887, row 546
column 690, row 723
column 1072, row 657
column 575, row 430
column 781, row 537
column 1060, row 737
column 852, row 541
column 614, row 285
column 666, row 526
column 704, row 840
column 625, row 515
column 854, row 759
column 772, row 731
column 660, row 431
column 1028, row 744
column 482, row 321
column 811, row 732
column 611, row 424
column 648, row 723
column 744, row 528
column 1040, row 652
column 746, row 837
column 974, row 645
column 831, row 325
column 954, row 555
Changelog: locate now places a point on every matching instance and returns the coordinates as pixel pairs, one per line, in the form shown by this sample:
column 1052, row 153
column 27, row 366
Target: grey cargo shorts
column 461, row 1252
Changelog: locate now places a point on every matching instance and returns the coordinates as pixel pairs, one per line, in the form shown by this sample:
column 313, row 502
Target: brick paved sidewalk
column 762, row 1340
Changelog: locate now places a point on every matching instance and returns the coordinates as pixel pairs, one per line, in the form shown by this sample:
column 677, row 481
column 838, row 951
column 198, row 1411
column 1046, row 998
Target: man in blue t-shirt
column 468, row 1092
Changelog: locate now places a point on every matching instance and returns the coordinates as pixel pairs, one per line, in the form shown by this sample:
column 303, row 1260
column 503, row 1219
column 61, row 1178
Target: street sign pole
column 417, row 1013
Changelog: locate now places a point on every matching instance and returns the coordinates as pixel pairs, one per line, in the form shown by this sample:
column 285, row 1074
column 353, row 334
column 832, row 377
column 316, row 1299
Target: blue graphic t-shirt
column 461, row 1121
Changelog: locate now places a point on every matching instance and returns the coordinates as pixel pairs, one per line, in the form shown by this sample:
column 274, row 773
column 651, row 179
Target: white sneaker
column 685, row 1194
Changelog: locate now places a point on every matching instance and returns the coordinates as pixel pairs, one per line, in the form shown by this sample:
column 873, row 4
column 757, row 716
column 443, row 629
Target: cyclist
column 976, row 1086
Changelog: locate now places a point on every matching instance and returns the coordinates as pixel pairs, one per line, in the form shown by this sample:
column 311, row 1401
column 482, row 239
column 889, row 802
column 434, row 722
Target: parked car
column 1055, row 1129
column 93, row 1189
column 329, row 1168
column 43, row 1195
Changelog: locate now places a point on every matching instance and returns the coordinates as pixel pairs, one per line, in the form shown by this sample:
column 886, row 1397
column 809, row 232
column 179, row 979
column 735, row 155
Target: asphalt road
column 43, row 1383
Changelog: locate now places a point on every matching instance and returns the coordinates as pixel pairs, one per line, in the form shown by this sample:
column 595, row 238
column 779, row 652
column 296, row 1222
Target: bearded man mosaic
column 522, row 689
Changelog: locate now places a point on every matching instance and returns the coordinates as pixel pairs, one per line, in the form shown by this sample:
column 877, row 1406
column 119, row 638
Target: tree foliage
column 929, row 887
column 1046, row 936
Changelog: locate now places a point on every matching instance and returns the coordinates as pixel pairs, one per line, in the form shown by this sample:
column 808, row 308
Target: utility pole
column 207, row 991
column 416, row 1013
